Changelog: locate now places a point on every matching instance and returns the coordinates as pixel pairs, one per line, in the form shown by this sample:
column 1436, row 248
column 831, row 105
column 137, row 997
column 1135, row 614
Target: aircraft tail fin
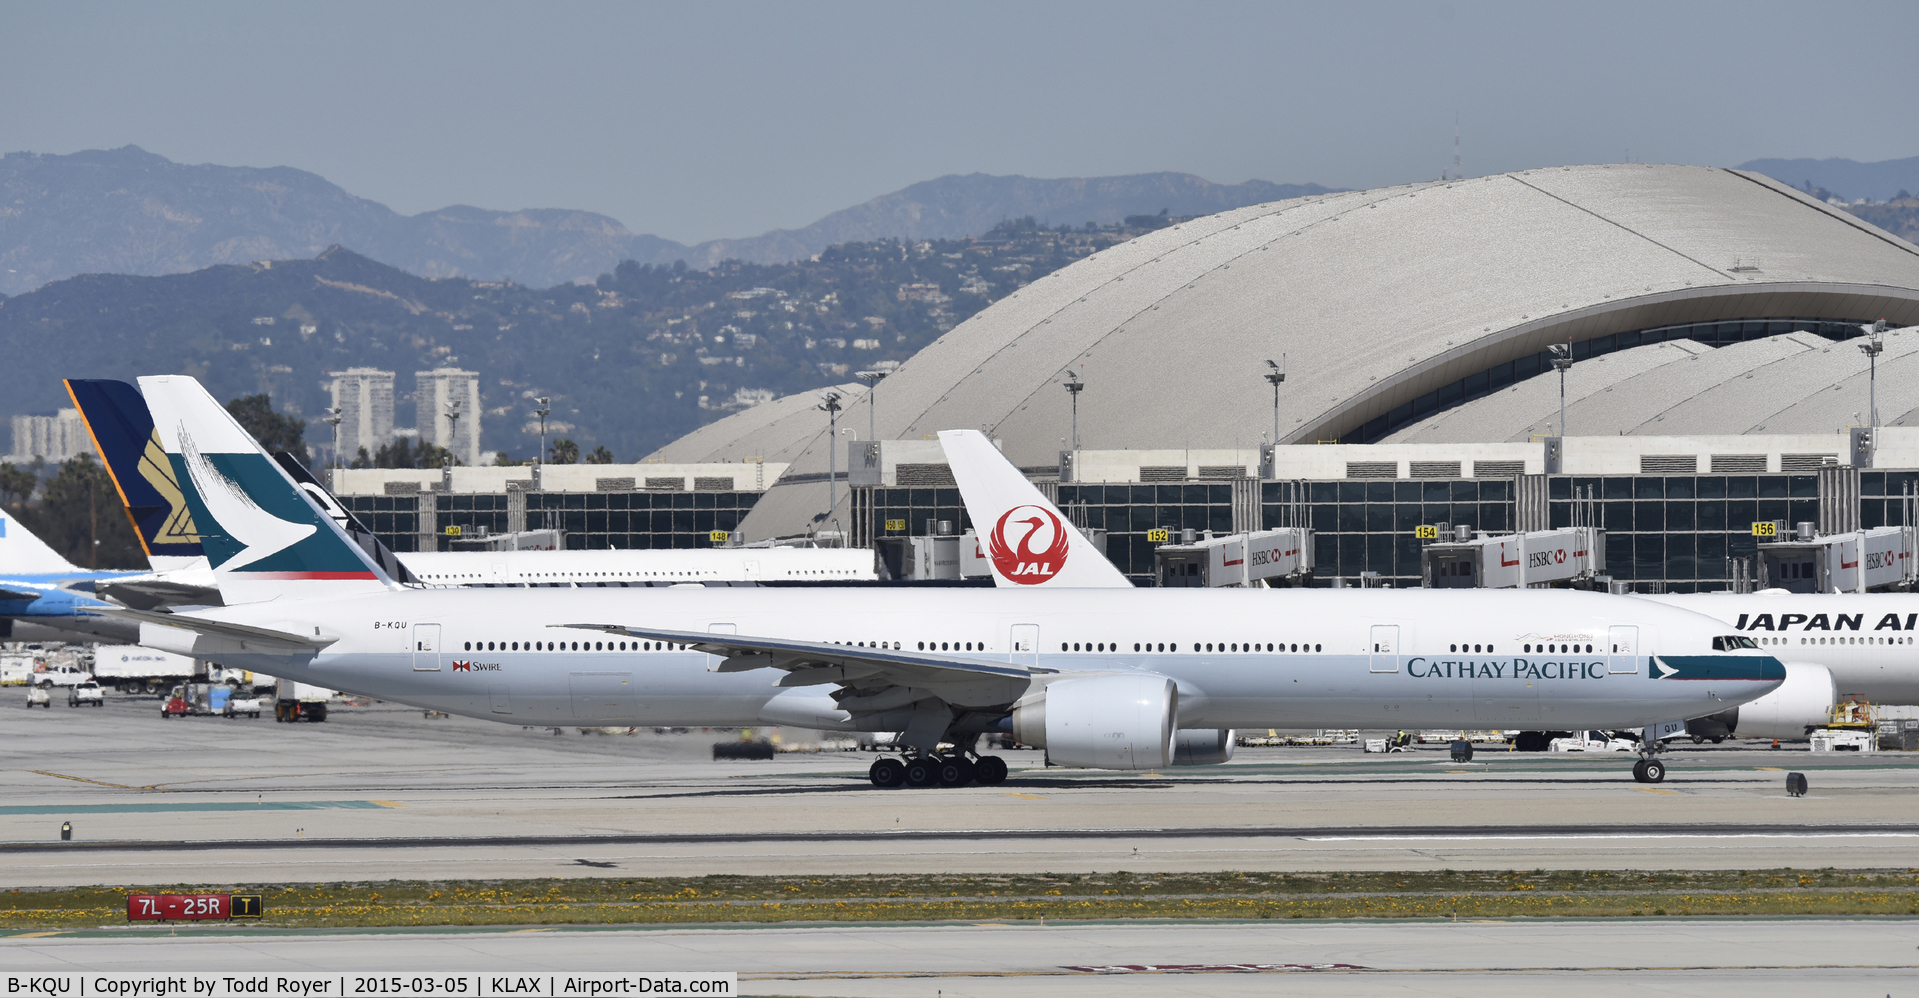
column 263, row 536
column 122, row 430
column 22, row 553
column 1025, row 538
column 366, row 539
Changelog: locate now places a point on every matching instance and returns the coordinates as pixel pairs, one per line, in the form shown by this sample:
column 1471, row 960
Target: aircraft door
column 426, row 647
column 1022, row 648
column 1384, row 656
column 1622, row 657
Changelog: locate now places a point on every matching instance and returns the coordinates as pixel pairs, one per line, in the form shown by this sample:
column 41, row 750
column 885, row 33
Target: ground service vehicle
column 88, row 693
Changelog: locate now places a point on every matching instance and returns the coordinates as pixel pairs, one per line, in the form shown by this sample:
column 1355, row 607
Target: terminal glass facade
column 599, row 520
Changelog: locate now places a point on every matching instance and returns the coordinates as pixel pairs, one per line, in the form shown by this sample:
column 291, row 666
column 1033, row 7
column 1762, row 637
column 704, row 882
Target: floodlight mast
column 1275, row 374
column 543, row 405
column 1875, row 343
column 333, row 418
column 452, row 427
column 830, row 404
column 1073, row 387
column 1562, row 356
column 872, row 379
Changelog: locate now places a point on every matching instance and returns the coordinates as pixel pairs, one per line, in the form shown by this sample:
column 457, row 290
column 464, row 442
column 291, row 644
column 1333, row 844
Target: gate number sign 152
column 191, row 907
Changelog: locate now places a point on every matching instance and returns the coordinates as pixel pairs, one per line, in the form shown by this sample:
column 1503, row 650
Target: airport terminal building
column 1714, row 321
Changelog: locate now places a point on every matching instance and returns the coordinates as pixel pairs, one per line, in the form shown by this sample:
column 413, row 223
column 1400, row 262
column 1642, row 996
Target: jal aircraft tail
column 21, row 553
column 123, row 433
column 1025, row 538
column 264, row 537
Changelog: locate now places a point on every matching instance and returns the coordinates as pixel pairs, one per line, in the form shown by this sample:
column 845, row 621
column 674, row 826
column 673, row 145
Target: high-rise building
column 54, row 438
column 439, row 391
column 364, row 397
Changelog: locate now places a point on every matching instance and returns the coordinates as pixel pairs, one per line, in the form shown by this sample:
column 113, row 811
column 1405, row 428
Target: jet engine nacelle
column 1202, row 746
column 1801, row 702
column 1102, row 722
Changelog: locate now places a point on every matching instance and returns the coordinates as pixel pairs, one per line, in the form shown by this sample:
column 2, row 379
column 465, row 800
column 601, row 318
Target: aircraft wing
column 150, row 593
column 264, row 638
column 857, row 669
column 19, row 595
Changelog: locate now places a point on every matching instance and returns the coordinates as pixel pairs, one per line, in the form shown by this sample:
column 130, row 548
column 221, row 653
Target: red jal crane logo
column 1019, row 561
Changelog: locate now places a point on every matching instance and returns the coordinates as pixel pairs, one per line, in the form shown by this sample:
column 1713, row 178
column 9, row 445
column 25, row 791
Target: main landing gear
column 953, row 769
column 1649, row 771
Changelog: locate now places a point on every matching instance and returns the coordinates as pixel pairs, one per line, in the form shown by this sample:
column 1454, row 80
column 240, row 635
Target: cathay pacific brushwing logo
column 258, row 532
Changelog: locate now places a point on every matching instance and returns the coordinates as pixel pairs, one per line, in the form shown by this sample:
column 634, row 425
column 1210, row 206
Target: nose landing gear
column 1649, row 771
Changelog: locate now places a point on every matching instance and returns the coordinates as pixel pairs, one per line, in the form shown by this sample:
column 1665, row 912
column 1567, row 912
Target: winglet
column 1024, row 537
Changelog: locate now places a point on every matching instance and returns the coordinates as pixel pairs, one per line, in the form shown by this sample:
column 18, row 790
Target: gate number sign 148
column 191, row 907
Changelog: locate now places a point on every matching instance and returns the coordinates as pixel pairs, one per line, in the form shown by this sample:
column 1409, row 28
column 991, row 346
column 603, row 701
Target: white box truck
column 133, row 669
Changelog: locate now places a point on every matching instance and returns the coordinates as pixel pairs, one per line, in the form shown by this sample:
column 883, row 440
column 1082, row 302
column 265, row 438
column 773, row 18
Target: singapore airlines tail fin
column 122, row 431
column 21, row 553
column 264, row 537
column 1023, row 536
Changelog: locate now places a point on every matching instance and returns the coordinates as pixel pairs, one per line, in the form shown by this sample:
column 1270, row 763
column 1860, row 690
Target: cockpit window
column 1729, row 642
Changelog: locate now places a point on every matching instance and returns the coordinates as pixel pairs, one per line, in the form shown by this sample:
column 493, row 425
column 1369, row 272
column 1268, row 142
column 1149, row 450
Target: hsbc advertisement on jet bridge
column 367, row 985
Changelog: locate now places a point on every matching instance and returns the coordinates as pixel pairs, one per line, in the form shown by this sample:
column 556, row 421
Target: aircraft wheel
column 887, row 773
column 955, row 771
column 990, row 770
column 1639, row 771
column 1655, row 771
column 1699, row 739
column 922, row 772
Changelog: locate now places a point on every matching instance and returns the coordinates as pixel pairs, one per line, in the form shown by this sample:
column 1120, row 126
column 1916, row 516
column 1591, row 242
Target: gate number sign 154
column 191, row 907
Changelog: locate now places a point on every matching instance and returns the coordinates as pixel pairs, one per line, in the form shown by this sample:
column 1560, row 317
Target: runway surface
column 382, row 792
column 1743, row 958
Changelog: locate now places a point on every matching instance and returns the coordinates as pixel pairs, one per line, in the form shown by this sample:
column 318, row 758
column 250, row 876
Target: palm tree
column 563, row 451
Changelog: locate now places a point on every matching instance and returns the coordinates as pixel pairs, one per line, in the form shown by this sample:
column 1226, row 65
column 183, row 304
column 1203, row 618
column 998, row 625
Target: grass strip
column 907, row 898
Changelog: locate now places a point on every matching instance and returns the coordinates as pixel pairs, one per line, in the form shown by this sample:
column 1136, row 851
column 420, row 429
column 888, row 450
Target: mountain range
column 129, row 211
column 1847, row 179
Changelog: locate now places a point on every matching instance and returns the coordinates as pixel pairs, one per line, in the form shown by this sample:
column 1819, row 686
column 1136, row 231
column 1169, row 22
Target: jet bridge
column 1273, row 558
column 1855, row 561
column 1469, row 560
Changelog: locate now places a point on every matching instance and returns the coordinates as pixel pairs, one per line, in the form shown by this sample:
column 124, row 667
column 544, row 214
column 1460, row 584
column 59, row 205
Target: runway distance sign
column 191, row 907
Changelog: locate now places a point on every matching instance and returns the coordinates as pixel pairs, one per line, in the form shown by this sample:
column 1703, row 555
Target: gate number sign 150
column 191, row 907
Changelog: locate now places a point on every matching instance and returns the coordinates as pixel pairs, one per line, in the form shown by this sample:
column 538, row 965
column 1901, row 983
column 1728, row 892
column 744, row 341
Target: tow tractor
column 41, row 695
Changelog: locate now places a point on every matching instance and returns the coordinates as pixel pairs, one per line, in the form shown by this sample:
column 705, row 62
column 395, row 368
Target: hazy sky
column 697, row 121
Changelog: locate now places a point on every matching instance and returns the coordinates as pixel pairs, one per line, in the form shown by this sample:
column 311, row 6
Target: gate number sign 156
column 191, row 907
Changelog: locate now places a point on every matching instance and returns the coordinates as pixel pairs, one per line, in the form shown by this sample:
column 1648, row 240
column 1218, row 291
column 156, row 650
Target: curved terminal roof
column 1792, row 383
column 1384, row 303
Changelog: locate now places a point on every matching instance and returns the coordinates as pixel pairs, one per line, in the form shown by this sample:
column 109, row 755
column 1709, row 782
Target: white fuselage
column 1241, row 658
column 640, row 567
column 1869, row 641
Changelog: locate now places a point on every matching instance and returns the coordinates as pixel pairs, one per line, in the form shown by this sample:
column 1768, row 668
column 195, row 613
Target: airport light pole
column 1073, row 387
column 452, row 427
column 1275, row 374
column 830, row 404
column 333, row 418
column 1875, row 343
column 872, row 379
column 1562, row 355
column 543, row 405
